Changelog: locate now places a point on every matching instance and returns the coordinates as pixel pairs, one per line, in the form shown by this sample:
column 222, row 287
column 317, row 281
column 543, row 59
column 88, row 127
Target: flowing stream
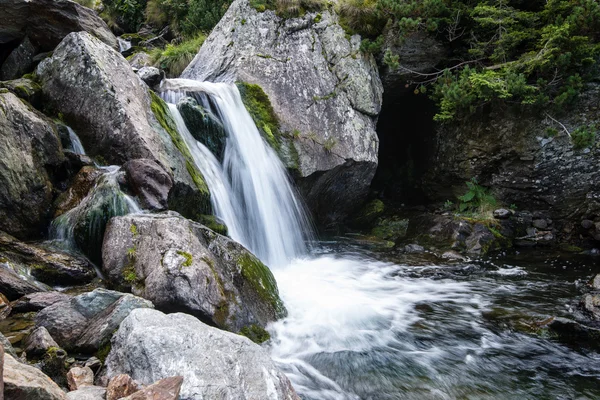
column 363, row 327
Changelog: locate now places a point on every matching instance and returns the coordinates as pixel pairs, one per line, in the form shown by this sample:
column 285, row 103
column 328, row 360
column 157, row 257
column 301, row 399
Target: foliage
column 186, row 17
column 125, row 14
column 476, row 198
column 289, row 8
column 529, row 54
column 583, row 137
column 175, row 57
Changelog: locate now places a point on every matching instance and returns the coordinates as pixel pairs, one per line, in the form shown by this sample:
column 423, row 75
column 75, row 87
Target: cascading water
column 250, row 191
column 76, row 145
column 358, row 328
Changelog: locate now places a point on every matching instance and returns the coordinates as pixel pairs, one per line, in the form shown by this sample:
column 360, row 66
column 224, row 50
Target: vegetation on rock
column 175, row 57
column 259, row 106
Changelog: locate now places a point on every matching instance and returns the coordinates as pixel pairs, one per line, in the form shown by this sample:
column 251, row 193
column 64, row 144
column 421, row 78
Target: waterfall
column 250, row 190
column 76, row 145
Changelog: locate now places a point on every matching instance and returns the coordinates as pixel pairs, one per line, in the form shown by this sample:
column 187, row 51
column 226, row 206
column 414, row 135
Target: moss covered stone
column 259, row 106
column 162, row 114
column 189, row 259
column 261, row 279
column 211, row 222
column 255, row 333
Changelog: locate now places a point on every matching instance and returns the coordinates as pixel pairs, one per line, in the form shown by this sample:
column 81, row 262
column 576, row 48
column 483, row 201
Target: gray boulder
column 22, row 381
column 150, row 75
column 13, row 286
column 86, row 322
column 19, row 61
column 47, row 22
column 88, row 393
column 39, row 342
column 150, row 345
column 30, row 149
column 117, row 117
column 37, row 301
column 150, row 183
column 325, row 92
column 24, row 88
column 188, row 267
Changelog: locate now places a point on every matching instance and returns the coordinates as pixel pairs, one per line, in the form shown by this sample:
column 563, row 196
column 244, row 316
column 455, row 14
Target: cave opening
column 406, row 141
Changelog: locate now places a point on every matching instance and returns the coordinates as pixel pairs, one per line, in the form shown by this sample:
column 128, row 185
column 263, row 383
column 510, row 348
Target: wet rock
column 321, row 88
column 574, row 333
column 150, row 75
column 413, row 248
column 117, row 117
column 79, row 377
column 85, row 179
column 24, row 88
column 22, row 381
column 480, row 240
column 369, row 213
column 390, row 228
column 47, row 22
column 587, row 224
column 121, row 386
column 39, row 342
column 38, row 301
column 19, row 61
column 190, row 268
column 14, row 286
column 86, row 322
column 591, row 304
column 88, row 393
column 31, row 152
column 453, row 256
column 48, row 265
column 150, row 183
column 203, row 125
column 540, row 223
column 150, row 345
column 502, row 213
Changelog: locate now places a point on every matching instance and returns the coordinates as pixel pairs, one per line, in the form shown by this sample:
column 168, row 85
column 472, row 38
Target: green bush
column 175, row 57
column 289, row 8
column 127, row 15
column 186, row 17
column 476, row 198
column 583, row 137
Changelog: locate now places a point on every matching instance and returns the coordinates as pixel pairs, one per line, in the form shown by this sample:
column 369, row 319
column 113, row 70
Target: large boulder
column 150, row 345
column 87, row 322
column 31, row 151
column 13, row 285
column 325, row 92
column 37, row 301
column 49, row 265
column 22, row 381
column 47, row 22
column 117, row 117
column 181, row 265
column 149, row 182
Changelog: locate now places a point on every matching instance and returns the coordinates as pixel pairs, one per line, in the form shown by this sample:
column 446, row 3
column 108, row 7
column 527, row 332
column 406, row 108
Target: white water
column 124, row 45
column 251, row 191
column 76, row 145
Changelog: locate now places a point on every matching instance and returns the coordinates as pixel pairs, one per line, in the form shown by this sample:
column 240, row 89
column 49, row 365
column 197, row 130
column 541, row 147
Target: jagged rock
column 117, row 117
column 502, row 213
column 140, row 60
column 203, row 125
column 38, row 342
column 86, row 322
column 14, row 286
column 88, row 393
column 121, row 386
column 5, row 307
column 19, row 61
column 22, row 381
column 78, row 377
column 150, row 183
column 94, row 364
column 24, row 88
column 150, row 345
column 85, row 179
column 190, row 268
column 38, row 301
column 165, row 389
column 48, row 265
column 322, row 88
column 150, row 75
column 30, row 149
column 47, row 22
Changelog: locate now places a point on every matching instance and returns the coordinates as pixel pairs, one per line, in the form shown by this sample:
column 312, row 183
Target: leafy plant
column 583, row 137
column 476, row 198
column 175, row 57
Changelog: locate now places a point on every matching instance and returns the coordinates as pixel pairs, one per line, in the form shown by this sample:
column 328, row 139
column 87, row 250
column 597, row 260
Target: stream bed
column 366, row 325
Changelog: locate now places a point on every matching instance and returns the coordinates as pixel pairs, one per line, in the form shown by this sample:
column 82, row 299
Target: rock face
column 47, row 22
column 150, row 345
column 22, row 381
column 187, row 267
column 50, row 266
column 116, row 117
column 30, row 149
column 325, row 93
column 524, row 165
column 86, row 322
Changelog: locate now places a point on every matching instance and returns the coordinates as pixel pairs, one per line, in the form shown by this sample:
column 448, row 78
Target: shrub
column 187, row 18
column 583, row 137
column 125, row 14
column 289, row 8
column 476, row 199
column 175, row 57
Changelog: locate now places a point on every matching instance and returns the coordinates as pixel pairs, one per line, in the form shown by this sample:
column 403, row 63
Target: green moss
column 210, row 221
column 569, row 248
column 259, row 106
column 188, row 258
column 133, row 230
column 129, row 275
column 103, row 351
column 261, row 279
column 390, row 228
column 255, row 333
column 318, row 18
column 369, row 213
column 162, row 114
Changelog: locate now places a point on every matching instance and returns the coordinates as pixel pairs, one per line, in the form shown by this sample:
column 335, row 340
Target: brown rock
column 82, row 183
column 150, row 182
column 5, row 307
column 165, row 389
column 79, row 377
column 22, row 381
column 121, row 386
column 38, row 301
column 39, row 342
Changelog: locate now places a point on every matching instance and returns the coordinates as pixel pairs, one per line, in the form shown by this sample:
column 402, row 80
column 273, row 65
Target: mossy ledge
column 162, row 114
column 255, row 333
column 262, row 281
column 259, row 106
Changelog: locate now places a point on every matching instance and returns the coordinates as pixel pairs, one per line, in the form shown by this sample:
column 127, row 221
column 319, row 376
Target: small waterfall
column 124, row 45
column 251, row 191
column 76, row 145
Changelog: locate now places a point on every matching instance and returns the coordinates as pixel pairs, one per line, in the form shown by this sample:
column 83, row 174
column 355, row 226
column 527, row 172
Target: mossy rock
column 259, row 107
column 262, row 281
column 211, row 222
column 369, row 213
column 255, row 333
column 26, row 89
column 203, row 125
column 390, row 228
